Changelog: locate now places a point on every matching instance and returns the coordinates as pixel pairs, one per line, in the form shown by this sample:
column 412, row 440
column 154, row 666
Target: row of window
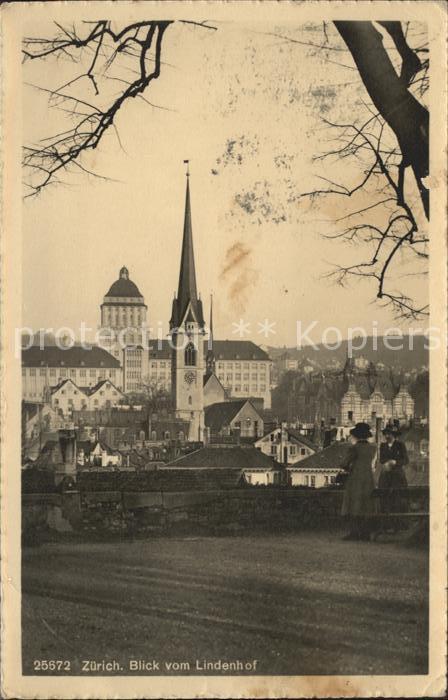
column 292, row 450
column 245, row 388
column 64, row 373
column 241, row 365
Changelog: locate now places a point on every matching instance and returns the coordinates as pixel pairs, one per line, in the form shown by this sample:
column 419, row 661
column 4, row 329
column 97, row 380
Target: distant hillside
column 407, row 358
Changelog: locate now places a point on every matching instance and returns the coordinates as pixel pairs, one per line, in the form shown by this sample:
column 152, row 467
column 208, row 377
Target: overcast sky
column 245, row 107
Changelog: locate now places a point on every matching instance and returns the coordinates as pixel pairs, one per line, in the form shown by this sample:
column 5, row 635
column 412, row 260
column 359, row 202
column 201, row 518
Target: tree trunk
column 407, row 118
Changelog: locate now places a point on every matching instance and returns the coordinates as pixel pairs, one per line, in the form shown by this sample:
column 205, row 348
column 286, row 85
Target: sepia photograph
column 229, row 348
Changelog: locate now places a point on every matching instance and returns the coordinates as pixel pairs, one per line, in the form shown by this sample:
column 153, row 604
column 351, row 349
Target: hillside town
column 195, row 402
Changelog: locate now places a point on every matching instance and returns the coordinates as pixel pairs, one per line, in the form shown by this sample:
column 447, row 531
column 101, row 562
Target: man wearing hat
column 358, row 504
column 393, row 457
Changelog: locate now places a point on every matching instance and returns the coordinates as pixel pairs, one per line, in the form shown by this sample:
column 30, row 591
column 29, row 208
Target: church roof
column 187, row 295
column 123, row 286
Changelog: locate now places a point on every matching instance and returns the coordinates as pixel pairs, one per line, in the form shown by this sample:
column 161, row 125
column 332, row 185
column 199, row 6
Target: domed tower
column 123, row 322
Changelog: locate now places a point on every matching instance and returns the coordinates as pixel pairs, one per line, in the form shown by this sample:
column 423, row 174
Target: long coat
column 360, row 484
column 395, row 478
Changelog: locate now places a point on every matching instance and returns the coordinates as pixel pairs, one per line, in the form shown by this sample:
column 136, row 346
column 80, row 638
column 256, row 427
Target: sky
column 245, row 106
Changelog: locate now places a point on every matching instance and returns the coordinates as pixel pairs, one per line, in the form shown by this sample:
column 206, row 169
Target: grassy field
column 297, row 603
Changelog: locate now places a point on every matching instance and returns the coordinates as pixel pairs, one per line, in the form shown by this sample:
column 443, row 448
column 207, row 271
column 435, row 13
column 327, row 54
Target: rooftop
column 77, row 356
column 223, row 350
column 329, row 458
column 219, row 457
column 124, row 287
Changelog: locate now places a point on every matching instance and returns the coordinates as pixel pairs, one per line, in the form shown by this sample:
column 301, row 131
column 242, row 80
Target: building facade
column 45, row 368
column 124, row 329
column 360, row 392
column 67, row 397
column 285, row 445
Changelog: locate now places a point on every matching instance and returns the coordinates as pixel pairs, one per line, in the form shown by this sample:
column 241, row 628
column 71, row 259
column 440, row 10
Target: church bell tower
column 187, row 331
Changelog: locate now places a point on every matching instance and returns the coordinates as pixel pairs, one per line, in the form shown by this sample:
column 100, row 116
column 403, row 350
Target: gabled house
column 238, row 418
column 67, row 396
column 254, row 467
column 214, row 391
column 286, row 445
column 96, row 454
column 319, row 469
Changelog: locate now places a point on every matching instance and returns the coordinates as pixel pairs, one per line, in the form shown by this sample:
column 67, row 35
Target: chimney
column 67, row 443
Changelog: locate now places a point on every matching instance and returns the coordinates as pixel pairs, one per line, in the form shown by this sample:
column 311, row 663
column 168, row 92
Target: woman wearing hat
column 357, row 504
column 393, row 457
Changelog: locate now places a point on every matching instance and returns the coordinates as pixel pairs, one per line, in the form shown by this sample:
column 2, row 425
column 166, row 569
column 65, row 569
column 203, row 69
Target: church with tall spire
column 187, row 329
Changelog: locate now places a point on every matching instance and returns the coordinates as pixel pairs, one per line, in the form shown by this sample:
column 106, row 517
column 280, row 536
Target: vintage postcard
column 224, row 331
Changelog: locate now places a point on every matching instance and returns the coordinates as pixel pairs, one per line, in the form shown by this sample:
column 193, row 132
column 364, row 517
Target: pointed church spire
column 187, row 291
column 211, row 316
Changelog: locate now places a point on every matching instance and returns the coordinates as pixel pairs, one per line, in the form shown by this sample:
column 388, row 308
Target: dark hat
column 361, row 431
column 391, row 430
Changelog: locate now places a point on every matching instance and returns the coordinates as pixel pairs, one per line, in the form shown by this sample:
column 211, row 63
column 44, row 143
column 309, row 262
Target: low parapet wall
column 232, row 509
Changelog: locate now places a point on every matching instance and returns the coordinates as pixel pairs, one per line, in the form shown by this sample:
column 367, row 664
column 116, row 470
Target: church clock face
column 190, row 377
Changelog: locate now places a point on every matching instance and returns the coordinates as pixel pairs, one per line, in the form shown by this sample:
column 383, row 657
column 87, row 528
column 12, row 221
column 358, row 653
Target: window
column 292, row 449
column 42, row 372
column 302, row 451
column 56, row 402
column 273, row 449
column 350, row 415
column 92, row 372
column 82, row 372
column 307, row 480
column 262, row 387
column 153, row 435
column 332, row 479
column 190, row 355
column 167, row 434
column 33, row 372
column 325, row 480
column 313, row 481
column 190, row 401
column 23, row 371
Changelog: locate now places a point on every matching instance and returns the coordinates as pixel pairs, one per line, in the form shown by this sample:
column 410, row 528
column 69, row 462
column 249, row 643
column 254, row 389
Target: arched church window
column 189, row 401
column 190, row 355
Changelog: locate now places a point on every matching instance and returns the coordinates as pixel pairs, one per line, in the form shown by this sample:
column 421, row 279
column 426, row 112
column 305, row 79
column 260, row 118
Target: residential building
column 319, row 469
column 360, row 392
column 67, row 396
column 286, row 445
column 118, row 427
column 96, row 453
column 255, row 467
column 239, row 418
column 46, row 367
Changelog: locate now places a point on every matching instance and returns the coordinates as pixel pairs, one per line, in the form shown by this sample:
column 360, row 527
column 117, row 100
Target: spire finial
column 187, row 163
